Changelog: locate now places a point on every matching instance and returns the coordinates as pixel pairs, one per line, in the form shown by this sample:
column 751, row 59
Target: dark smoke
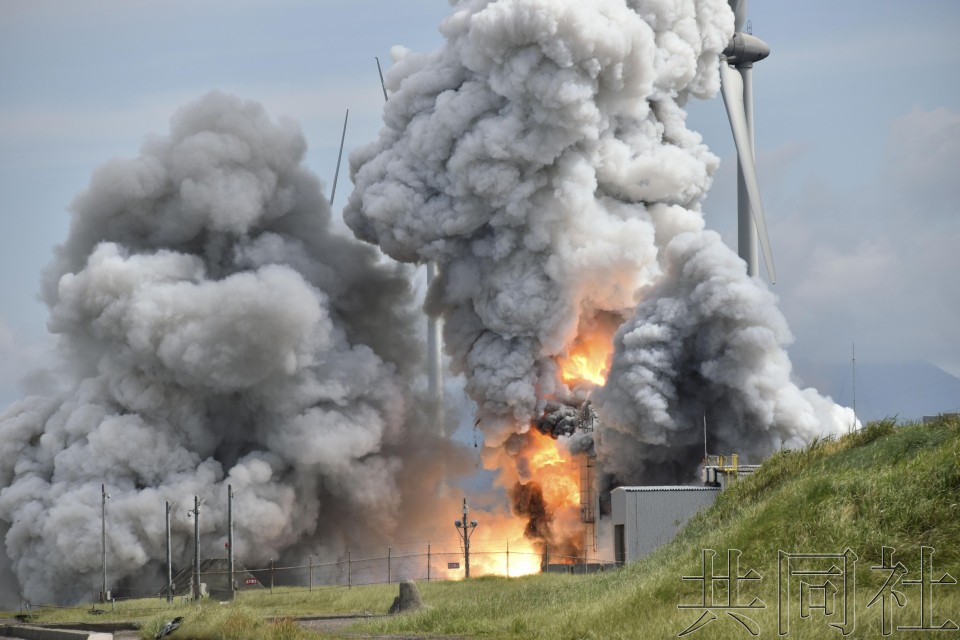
column 528, row 503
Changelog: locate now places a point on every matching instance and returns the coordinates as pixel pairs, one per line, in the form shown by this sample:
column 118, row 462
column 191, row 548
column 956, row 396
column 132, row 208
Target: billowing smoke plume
column 214, row 332
column 541, row 157
column 706, row 343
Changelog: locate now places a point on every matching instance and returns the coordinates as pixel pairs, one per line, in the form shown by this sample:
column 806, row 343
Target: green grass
column 883, row 486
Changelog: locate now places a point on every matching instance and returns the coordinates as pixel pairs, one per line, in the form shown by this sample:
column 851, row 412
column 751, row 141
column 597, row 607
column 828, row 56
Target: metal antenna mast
column 854, row 363
column 706, row 455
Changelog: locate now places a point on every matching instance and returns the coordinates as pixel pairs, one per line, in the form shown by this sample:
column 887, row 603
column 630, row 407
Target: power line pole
column 466, row 528
column 196, row 547
column 233, row 584
column 104, row 496
column 169, row 560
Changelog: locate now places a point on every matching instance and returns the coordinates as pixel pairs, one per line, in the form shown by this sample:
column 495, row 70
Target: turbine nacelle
column 745, row 49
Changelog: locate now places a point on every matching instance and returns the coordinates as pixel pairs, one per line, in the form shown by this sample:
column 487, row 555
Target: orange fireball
column 588, row 357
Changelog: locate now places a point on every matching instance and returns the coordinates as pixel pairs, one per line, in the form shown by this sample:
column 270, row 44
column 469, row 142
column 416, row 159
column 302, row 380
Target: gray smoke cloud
column 537, row 157
column 542, row 158
column 706, row 342
column 213, row 331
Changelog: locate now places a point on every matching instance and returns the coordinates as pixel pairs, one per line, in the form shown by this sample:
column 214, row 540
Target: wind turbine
column 434, row 332
column 736, row 85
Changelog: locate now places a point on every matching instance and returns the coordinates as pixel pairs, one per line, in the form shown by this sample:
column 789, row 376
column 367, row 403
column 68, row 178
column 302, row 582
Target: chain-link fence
column 413, row 561
column 419, row 561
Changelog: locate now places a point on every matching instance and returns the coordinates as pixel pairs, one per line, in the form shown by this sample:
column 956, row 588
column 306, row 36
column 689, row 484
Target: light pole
column 104, row 496
column 466, row 529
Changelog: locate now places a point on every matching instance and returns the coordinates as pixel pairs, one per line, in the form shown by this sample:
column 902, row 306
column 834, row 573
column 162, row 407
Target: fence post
column 546, row 556
column 349, row 567
column 508, row 558
column 311, row 572
column 271, row 575
column 428, row 562
column 389, row 553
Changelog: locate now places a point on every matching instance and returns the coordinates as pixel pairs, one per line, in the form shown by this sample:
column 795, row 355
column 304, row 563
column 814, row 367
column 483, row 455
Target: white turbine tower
column 736, row 85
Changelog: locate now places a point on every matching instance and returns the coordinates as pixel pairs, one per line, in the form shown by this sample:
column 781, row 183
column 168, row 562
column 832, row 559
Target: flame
column 543, row 477
column 588, row 357
column 501, row 548
column 543, row 480
column 554, row 469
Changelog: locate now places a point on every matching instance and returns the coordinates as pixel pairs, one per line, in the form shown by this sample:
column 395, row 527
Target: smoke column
column 528, row 157
column 541, row 157
column 213, row 331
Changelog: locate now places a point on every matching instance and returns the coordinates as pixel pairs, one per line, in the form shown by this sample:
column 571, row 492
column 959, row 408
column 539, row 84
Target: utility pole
column 465, row 529
column 104, row 496
column 196, row 547
column 233, row 583
column 169, row 560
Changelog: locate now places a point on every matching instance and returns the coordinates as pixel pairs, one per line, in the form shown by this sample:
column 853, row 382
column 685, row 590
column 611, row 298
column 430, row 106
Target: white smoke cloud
column 541, row 157
column 213, row 332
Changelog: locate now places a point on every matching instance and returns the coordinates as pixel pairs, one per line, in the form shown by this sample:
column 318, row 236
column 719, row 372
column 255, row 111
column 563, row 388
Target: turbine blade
column 731, row 86
column 336, row 174
column 739, row 12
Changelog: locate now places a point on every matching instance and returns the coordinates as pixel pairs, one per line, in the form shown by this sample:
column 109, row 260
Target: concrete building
column 645, row 518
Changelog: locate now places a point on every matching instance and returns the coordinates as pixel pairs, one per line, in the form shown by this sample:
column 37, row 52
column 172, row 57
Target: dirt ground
column 328, row 625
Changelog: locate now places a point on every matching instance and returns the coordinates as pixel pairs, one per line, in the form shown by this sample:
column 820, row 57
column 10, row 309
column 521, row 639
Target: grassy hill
column 885, row 486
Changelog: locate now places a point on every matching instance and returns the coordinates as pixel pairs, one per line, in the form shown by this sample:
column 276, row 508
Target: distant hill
column 908, row 390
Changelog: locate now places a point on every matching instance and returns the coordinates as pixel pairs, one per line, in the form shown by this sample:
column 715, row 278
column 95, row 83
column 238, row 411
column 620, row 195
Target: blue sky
column 857, row 126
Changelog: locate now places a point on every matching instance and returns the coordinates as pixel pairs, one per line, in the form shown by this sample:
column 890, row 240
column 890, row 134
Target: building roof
column 670, row 488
